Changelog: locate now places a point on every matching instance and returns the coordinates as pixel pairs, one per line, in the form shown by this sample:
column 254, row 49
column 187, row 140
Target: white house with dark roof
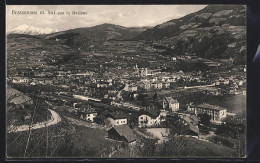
column 86, row 113
column 170, row 104
column 149, row 117
column 117, row 118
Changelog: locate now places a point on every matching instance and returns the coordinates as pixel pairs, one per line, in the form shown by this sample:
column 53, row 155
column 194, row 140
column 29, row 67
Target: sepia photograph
column 126, row 81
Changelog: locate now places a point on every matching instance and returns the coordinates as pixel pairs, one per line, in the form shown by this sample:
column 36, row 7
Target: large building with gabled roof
column 217, row 113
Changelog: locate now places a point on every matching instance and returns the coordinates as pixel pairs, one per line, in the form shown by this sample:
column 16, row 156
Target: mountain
column 85, row 37
column 216, row 31
column 29, row 30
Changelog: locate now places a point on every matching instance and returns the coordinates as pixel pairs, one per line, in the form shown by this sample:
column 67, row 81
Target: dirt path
column 55, row 118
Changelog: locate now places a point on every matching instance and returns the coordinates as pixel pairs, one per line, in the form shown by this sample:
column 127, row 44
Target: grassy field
column 90, row 142
column 198, row 149
column 202, row 149
column 64, row 140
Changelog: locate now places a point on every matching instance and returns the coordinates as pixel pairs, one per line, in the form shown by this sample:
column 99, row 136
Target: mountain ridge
column 216, row 31
column 30, row 30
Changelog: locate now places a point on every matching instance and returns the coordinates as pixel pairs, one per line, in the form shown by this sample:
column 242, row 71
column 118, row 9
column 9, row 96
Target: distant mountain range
column 216, row 31
column 85, row 37
column 29, row 30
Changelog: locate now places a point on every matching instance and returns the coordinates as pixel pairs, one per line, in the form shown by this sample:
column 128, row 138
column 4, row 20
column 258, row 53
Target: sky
column 124, row 15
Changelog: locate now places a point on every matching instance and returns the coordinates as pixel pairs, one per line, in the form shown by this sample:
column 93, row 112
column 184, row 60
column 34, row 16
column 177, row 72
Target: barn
column 122, row 133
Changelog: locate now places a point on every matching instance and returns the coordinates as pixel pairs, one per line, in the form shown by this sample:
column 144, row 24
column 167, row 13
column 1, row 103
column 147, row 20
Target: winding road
column 55, row 118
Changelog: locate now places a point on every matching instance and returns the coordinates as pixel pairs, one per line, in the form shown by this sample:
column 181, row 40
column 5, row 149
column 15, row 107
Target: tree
column 148, row 147
column 155, row 96
column 204, row 122
column 205, row 119
column 176, row 146
column 176, row 125
column 102, row 115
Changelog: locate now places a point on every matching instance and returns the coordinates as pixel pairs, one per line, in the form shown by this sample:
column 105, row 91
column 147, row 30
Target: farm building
column 122, row 133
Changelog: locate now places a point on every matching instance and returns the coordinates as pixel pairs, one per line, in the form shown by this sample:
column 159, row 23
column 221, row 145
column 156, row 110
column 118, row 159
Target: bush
column 223, row 141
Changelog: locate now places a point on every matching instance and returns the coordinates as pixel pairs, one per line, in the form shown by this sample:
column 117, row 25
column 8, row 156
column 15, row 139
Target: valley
column 111, row 88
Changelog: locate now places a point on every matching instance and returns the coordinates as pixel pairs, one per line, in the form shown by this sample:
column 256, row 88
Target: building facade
column 170, row 104
column 117, row 118
column 217, row 113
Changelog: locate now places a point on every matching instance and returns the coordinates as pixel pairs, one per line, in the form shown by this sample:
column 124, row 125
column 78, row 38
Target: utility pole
column 47, row 141
column 238, row 139
column 30, row 126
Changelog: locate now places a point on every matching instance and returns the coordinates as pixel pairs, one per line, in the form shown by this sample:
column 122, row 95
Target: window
column 117, row 122
column 141, row 118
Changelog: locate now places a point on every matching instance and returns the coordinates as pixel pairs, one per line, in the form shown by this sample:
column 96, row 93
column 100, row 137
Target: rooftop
column 209, row 106
column 125, row 131
column 152, row 112
column 171, row 100
column 118, row 115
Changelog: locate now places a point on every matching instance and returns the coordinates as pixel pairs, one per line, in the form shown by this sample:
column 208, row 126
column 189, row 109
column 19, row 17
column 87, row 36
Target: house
column 149, row 117
column 159, row 85
column 217, row 113
column 117, row 118
column 145, row 85
column 48, row 81
column 190, row 122
column 23, row 80
column 236, row 122
column 102, row 85
column 166, row 85
column 163, row 114
column 132, row 88
column 43, row 74
column 86, row 113
column 156, row 85
column 61, row 73
column 122, row 133
column 217, row 82
column 173, row 58
column 189, row 119
column 170, row 104
column 25, row 72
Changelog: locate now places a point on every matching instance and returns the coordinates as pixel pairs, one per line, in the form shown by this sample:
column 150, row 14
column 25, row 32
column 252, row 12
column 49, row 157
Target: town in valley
column 175, row 90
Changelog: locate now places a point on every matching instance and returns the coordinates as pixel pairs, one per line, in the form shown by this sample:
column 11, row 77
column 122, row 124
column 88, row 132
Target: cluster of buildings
column 109, row 87
column 153, row 117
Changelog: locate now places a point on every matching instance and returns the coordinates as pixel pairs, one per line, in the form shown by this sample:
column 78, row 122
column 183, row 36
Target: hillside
column 26, row 52
column 213, row 32
column 86, row 37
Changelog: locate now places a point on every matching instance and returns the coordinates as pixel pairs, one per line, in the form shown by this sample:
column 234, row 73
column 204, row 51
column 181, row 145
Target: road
column 55, row 118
